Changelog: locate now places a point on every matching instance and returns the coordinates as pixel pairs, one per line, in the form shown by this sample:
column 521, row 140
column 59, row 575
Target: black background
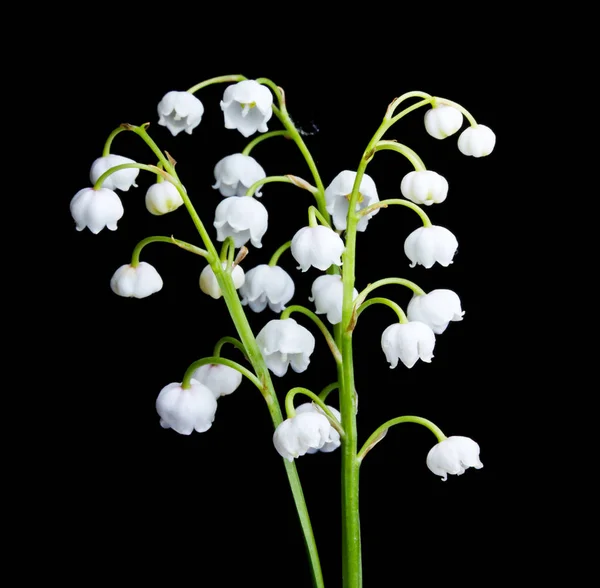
column 137, row 501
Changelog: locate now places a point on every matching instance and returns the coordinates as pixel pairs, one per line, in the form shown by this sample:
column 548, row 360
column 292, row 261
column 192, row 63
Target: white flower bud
column 247, row 107
column 477, row 141
column 408, row 342
column 426, row 245
column 163, row 197
column 244, row 219
column 435, row 309
column 334, row 437
column 328, row 295
column 318, row 246
column 220, row 379
column 443, row 121
column 209, row 284
column 266, row 284
column 120, row 180
column 424, row 187
column 186, row 410
column 235, row 173
column 136, row 282
column 96, row 209
column 453, row 456
column 180, row 111
column 295, row 436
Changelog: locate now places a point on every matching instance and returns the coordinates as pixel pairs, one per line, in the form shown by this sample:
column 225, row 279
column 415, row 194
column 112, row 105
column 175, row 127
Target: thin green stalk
column 385, row 301
column 263, row 137
column 291, row 411
column 217, row 80
column 384, row 282
column 328, row 390
column 108, row 144
column 275, row 257
column 456, row 105
column 186, row 382
column 232, row 341
column 116, row 168
column 400, row 202
column 135, row 257
column 397, row 101
column 411, row 155
column 250, row 191
column 314, row 214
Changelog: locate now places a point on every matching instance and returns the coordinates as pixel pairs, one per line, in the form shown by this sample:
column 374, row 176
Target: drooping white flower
column 317, row 246
column 247, row 107
column 426, row 245
column 328, row 295
column 283, row 343
column 424, row 187
column 136, row 282
column 220, row 379
column 435, row 309
column 477, row 141
column 120, row 180
column 337, row 197
column 304, row 431
column 408, row 342
column 442, row 121
column 163, row 197
column 267, row 284
column 209, row 284
column 235, row 173
column 453, row 456
column 186, row 410
column 334, row 437
column 244, row 219
column 180, row 111
column 96, row 209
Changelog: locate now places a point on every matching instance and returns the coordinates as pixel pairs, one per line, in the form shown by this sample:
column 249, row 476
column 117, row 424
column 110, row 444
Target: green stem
column 250, row 191
column 401, row 202
column 107, row 145
column 456, row 105
column 275, row 257
column 217, row 80
column 262, row 138
column 232, row 341
column 397, row 101
column 384, row 282
column 116, row 168
column 328, row 390
column 275, row 89
column 135, row 257
column 186, row 383
column 414, row 159
column 380, row 432
column 291, row 412
column 310, row 314
column 387, row 302
column 314, row 214
column 406, row 111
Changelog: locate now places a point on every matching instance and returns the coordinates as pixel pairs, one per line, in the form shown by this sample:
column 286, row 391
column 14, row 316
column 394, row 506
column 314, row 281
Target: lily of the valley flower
column 267, row 284
column 442, row 121
column 328, row 295
column 120, row 180
column 435, row 309
column 96, row 209
column 244, row 219
column 426, row 245
column 186, row 410
column 424, row 187
column 136, row 282
column 334, row 437
column 477, row 141
column 209, row 284
column 235, row 173
column 304, row 431
column 180, row 111
column 453, row 456
column 163, row 197
column 247, row 107
column 318, row 246
column 337, row 197
column 284, row 343
column 221, row 380
column 408, row 342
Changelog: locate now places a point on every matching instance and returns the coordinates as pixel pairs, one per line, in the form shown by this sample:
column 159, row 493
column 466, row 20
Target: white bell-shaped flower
column 186, row 410
column 209, row 284
column 284, row 343
column 328, row 295
column 96, row 209
column 334, row 437
column 244, row 219
column 426, row 245
column 136, row 282
column 435, row 309
column 247, row 107
column 180, row 111
column 477, row 141
column 442, row 121
column 453, row 456
column 220, row 379
column 424, row 187
column 267, row 284
column 235, row 173
column 337, row 198
column 304, row 431
column 318, row 246
column 163, row 197
column 120, row 180
column 408, row 342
